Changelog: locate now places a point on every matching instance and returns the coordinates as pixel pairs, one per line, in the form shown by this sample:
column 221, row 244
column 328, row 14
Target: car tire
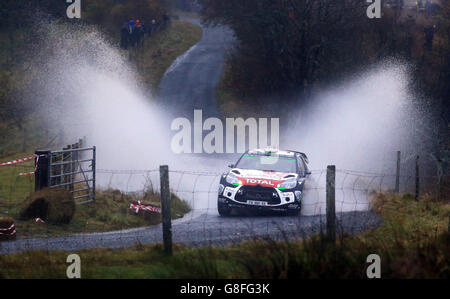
column 223, row 209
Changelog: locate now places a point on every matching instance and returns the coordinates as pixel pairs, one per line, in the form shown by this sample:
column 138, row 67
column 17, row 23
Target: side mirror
column 305, row 158
column 231, row 166
column 308, row 172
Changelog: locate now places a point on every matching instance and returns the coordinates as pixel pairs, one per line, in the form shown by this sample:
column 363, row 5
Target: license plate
column 257, row 203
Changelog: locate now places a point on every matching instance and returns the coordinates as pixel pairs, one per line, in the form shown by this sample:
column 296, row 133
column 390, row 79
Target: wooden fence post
column 417, row 179
column 397, row 174
column 439, row 182
column 41, row 177
column 448, row 228
column 65, row 168
column 165, row 209
column 331, row 205
column 94, row 170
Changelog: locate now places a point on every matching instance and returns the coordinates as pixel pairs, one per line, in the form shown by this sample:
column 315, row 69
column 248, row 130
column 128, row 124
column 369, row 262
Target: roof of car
column 272, row 151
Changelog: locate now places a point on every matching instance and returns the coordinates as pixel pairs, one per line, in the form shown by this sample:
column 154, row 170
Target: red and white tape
column 8, row 229
column 17, row 161
column 140, row 206
column 27, row 173
column 35, row 168
column 9, row 234
column 23, row 160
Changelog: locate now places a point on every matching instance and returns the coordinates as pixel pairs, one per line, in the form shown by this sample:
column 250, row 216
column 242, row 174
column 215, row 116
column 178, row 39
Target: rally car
column 266, row 179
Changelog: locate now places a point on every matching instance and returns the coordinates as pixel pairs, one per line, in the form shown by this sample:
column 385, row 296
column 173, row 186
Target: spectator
column 151, row 27
column 166, row 20
column 131, row 33
column 139, row 33
column 429, row 36
column 124, row 36
column 427, row 7
column 418, row 5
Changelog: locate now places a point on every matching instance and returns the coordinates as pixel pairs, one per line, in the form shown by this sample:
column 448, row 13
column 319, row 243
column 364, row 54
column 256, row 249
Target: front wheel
column 223, row 209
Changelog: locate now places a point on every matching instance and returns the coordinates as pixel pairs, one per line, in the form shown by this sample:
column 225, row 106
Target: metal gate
column 71, row 168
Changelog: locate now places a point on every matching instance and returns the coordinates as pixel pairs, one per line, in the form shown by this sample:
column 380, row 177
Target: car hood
column 251, row 177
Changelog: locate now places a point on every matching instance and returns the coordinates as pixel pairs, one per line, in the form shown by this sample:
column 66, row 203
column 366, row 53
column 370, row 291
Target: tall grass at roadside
column 412, row 243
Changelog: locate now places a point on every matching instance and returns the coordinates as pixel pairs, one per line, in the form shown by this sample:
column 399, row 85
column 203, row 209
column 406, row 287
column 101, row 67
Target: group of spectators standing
column 423, row 5
column 133, row 32
column 427, row 6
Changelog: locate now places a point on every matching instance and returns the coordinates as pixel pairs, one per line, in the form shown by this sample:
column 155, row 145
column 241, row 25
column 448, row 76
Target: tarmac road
column 190, row 83
column 202, row 231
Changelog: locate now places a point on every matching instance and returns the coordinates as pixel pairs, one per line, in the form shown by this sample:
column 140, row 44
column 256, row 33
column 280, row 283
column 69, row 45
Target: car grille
column 258, row 193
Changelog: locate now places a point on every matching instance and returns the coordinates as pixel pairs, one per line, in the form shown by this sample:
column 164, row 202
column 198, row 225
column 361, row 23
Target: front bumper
column 259, row 198
column 279, row 208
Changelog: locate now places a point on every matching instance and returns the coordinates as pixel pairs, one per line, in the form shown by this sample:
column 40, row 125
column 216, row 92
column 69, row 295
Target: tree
column 293, row 44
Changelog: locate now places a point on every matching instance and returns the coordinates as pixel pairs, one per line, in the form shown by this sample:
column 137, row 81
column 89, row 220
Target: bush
column 51, row 205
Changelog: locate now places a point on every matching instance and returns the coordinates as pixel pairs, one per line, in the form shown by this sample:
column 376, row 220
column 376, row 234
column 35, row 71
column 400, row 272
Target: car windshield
column 269, row 163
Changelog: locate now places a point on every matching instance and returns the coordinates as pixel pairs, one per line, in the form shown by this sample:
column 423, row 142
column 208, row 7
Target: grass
column 161, row 50
column 412, row 243
column 231, row 104
column 176, row 13
column 14, row 188
column 417, row 222
column 227, row 102
column 13, row 142
column 111, row 211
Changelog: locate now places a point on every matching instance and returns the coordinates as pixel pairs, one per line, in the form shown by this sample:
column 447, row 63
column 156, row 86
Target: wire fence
column 120, row 218
column 202, row 225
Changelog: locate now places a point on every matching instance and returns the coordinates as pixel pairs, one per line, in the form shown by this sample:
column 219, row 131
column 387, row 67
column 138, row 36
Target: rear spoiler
column 303, row 156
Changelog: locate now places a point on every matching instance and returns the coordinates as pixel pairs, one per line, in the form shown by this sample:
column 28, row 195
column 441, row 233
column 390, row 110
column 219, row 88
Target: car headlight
column 289, row 184
column 232, row 179
column 221, row 187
